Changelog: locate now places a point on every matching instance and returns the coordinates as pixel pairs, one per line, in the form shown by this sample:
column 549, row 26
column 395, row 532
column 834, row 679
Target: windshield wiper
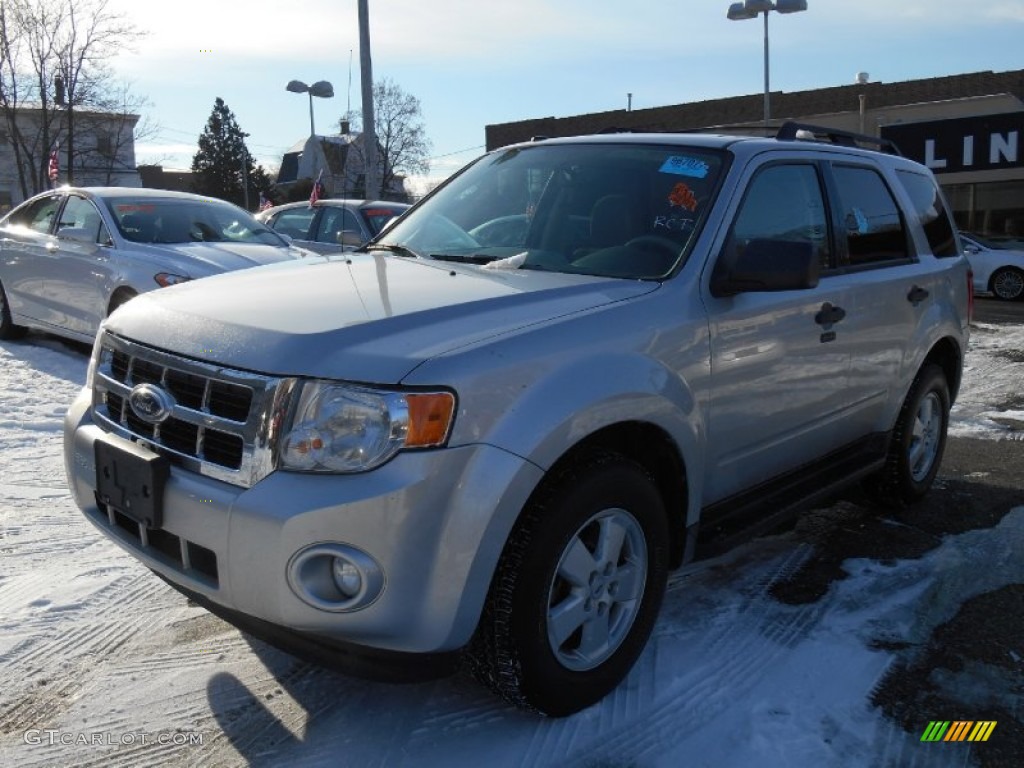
column 463, row 258
column 398, row 250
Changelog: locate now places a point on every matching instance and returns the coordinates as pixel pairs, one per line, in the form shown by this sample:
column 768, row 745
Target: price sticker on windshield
column 682, row 165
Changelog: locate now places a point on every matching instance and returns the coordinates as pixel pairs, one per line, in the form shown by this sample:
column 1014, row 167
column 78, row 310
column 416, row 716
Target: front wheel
column 577, row 589
column 917, row 444
column 1008, row 284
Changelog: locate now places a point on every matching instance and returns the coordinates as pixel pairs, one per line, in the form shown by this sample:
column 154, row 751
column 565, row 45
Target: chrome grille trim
column 239, row 451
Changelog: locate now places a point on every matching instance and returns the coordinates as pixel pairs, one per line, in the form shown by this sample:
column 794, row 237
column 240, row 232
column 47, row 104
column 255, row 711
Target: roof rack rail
column 794, row 131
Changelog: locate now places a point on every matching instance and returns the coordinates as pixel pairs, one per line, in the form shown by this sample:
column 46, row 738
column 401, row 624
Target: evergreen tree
column 217, row 166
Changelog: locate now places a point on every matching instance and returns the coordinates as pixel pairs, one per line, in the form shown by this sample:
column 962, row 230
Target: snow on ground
column 104, row 665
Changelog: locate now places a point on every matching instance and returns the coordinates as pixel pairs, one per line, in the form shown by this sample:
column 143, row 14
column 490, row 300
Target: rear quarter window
column 932, row 212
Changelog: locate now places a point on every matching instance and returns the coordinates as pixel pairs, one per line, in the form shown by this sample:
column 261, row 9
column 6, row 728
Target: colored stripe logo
column 958, row 730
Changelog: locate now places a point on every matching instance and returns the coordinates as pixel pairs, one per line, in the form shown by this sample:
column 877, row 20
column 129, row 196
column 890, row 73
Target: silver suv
column 488, row 437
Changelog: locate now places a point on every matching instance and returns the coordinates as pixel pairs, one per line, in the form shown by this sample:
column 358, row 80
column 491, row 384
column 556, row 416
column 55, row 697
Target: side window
column 294, row 222
column 873, row 226
column 332, row 222
column 931, row 211
column 81, row 214
column 784, row 203
column 37, row 215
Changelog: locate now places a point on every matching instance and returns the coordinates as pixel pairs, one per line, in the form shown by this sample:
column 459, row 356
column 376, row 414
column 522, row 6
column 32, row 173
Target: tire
column 1008, row 284
column 8, row 330
column 917, row 444
column 553, row 567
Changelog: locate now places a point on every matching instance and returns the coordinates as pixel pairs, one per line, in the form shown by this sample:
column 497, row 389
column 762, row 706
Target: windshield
column 172, row 220
column 610, row 209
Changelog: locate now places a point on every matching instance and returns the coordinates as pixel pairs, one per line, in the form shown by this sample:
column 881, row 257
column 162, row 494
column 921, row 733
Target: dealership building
column 966, row 128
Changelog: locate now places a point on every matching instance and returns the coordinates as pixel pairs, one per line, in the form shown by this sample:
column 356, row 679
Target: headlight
column 164, row 279
column 344, row 428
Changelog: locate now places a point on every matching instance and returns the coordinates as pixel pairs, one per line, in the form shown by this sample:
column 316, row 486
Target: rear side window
column 931, row 211
column 873, row 226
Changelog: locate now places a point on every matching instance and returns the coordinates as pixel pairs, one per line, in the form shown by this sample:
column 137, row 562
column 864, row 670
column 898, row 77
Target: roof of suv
column 806, row 135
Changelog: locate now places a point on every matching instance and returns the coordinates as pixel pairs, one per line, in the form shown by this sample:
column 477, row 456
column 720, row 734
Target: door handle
column 829, row 314
column 917, row 295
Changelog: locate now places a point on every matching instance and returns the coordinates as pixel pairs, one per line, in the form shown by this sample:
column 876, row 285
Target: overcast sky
column 476, row 62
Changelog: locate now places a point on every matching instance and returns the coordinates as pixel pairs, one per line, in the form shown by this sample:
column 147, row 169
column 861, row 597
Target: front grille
column 222, row 422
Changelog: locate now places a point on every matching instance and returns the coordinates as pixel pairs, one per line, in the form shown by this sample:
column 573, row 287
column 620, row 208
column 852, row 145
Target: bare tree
column 402, row 144
column 53, row 64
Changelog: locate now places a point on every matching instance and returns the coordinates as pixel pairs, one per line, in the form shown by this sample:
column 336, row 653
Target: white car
column 997, row 269
column 71, row 256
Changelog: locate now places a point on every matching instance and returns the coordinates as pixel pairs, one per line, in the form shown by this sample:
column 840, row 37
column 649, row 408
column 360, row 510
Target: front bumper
column 434, row 521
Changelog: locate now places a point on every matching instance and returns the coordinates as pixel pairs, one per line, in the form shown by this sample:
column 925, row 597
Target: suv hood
column 360, row 317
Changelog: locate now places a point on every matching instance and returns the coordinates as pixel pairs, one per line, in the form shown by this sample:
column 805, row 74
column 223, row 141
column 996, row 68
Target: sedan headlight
column 344, row 428
column 164, row 279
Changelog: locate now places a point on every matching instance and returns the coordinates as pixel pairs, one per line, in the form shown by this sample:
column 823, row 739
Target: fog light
column 347, row 577
column 332, row 576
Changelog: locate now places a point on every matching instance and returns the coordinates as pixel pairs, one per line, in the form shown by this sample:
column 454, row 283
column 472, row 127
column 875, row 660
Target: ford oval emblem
column 150, row 403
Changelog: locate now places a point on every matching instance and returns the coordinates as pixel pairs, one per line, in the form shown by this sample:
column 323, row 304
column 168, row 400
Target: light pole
column 321, row 89
column 749, row 9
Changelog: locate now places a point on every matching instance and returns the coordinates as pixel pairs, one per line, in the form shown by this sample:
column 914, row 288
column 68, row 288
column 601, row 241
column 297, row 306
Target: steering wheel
column 655, row 243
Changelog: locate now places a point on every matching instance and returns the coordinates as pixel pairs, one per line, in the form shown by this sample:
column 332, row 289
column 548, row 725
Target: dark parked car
column 331, row 226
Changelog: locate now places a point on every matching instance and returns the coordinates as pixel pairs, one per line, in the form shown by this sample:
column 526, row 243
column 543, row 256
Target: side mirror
column 767, row 265
column 350, row 237
column 971, row 248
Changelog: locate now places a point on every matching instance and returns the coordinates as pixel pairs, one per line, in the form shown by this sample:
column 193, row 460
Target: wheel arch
column 652, row 448
column 947, row 354
column 122, row 294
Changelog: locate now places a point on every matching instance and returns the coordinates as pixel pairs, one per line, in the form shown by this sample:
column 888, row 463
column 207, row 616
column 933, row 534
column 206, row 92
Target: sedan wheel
column 1008, row 284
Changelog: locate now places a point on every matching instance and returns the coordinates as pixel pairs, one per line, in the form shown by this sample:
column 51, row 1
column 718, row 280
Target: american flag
column 54, row 164
column 265, row 203
column 318, row 189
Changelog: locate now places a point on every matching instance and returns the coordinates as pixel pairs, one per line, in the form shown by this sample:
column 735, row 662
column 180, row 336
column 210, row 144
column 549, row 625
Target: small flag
column 265, row 203
column 54, row 164
column 318, row 189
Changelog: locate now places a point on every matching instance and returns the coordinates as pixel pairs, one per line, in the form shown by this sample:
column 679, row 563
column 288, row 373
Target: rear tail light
column 970, row 296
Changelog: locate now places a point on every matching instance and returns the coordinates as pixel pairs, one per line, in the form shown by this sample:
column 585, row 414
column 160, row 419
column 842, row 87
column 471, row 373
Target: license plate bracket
column 131, row 479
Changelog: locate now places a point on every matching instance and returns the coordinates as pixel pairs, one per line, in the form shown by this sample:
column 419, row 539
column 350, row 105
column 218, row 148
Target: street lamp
column 749, row 9
column 321, row 89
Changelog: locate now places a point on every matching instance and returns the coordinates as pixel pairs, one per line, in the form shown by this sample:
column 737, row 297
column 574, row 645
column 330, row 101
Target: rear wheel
column 1008, row 284
column 918, row 442
column 8, row 330
column 577, row 589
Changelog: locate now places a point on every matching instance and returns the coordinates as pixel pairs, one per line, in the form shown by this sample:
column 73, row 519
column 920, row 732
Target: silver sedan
column 71, row 256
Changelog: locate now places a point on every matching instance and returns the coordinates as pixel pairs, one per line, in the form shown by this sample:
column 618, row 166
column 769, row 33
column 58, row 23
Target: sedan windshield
column 172, row 220
column 611, row 209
